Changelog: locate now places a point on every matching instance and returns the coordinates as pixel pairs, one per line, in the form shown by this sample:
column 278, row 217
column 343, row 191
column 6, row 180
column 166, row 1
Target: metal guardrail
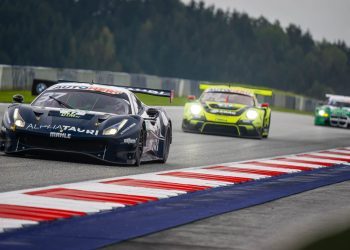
column 21, row 78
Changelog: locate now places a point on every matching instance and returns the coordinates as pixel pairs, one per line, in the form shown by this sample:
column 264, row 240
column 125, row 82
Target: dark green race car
column 335, row 113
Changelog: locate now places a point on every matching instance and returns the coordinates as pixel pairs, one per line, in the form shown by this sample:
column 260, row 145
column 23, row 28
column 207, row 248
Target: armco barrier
column 21, row 78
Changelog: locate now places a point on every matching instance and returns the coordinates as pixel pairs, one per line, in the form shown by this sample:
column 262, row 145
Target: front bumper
column 339, row 121
column 228, row 129
column 109, row 150
column 333, row 120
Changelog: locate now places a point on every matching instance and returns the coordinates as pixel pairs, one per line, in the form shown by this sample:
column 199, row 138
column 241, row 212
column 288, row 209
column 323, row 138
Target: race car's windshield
column 339, row 104
column 227, row 97
column 85, row 100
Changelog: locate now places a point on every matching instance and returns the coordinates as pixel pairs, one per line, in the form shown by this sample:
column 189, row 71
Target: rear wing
column 263, row 92
column 340, row 98
column 149, row 91
column 40, row 85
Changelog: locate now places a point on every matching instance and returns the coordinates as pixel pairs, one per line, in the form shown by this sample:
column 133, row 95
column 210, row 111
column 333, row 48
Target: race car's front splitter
column 333, row 121
column 228, row 129
column 111, row 151
column 339, row 121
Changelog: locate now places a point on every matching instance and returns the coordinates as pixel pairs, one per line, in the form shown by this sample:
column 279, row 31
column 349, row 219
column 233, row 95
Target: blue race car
column 105, row 122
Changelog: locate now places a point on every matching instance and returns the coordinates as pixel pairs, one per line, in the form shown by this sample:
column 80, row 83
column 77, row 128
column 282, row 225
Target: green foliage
column 168, row 38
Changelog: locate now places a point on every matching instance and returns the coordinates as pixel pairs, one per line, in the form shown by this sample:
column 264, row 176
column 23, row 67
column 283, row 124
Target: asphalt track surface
column 255, row 227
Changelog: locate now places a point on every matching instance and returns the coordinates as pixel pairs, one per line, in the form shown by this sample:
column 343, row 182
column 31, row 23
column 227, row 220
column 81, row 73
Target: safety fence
column 14, row 77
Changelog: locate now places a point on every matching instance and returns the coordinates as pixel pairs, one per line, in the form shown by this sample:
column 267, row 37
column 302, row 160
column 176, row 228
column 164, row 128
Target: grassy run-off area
column 6, row 97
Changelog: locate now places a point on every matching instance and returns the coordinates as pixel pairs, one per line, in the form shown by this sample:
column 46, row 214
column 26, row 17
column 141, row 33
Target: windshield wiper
column 61, row 102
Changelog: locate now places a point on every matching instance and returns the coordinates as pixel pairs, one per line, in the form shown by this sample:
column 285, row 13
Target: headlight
column 252, row 114
column 322, row 113
column 19, row 122
column 113, row 130
column 196, row 109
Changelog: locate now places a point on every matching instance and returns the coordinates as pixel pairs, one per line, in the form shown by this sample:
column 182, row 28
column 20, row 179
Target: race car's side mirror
column 191, row 97
column 18, row 98
column 265, row 105
column 151, row 112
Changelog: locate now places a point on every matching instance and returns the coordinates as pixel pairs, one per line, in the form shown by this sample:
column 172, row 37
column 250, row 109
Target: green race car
column 226, row 110
column 335, row 113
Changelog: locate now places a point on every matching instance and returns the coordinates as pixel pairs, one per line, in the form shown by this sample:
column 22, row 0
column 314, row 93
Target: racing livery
column 227, row 110
column 335, row 113
column 105, row 122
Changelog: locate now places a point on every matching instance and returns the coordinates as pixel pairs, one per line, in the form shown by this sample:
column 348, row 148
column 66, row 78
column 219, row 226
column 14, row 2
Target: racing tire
column 266, row 135
column 166, row 146
column 139, row 149
column 183, row 126
column 268, row 128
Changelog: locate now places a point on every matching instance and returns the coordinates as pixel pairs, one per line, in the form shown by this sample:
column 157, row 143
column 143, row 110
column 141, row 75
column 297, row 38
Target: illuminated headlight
column 196, row 109
column 322, row 113
column 252, row 114
column 19, row 122
column 113, row 130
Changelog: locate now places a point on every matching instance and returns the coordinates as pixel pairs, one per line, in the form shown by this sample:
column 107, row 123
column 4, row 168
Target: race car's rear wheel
column 139, row 149
column 166, row 146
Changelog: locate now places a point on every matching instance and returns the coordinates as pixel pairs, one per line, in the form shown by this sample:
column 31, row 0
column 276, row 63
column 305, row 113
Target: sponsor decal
column 129, row 141
column 62, row 128
column 224, row 105
column 128, row 128
column 60, row 135
column 225, row 112
column 113, row 91
column 71, row 113
column 90, row 88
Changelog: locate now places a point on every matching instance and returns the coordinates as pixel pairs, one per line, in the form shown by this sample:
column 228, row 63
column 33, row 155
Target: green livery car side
column 335, row 113
column 224, row 110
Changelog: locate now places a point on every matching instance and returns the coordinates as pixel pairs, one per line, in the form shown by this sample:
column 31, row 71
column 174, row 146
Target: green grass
column 279, row 109
column 6, row 97
column 161, row 101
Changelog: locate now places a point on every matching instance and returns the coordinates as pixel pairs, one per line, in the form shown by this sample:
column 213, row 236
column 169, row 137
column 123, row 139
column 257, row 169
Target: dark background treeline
column 168, row 38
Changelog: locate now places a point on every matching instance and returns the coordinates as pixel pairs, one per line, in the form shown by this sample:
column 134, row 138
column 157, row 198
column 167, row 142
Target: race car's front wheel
column 166, row 146
column 139, row 149
column 266, row 129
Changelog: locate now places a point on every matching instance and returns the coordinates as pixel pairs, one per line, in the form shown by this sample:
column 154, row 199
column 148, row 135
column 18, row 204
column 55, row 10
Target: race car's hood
column 70, row 121
column 338, row 111
column 223, row 108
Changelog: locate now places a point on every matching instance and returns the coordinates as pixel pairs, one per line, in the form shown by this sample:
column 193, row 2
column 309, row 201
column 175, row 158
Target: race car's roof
column 339, row 98
column 235, row 89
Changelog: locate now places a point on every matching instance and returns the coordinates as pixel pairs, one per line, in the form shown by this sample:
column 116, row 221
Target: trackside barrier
column 14, row 77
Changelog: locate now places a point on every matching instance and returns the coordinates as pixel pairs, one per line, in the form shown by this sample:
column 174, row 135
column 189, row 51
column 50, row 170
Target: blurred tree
column 169, row 38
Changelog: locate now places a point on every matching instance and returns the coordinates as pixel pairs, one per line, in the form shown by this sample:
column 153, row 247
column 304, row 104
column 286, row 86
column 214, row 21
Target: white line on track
column 79, row 197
